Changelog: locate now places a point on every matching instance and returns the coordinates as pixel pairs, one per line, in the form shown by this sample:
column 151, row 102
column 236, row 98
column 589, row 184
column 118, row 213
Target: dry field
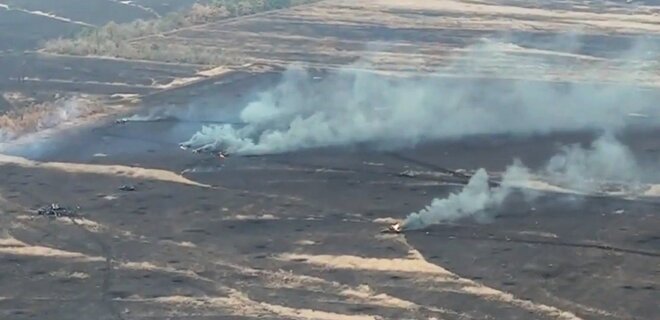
column 297, row 235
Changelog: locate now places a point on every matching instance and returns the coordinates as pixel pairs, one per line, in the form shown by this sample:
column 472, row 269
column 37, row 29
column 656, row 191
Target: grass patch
column 40, row 116
column 117, row 40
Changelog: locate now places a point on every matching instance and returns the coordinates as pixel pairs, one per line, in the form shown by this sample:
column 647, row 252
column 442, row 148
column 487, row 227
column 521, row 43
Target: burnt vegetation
column 126, row 40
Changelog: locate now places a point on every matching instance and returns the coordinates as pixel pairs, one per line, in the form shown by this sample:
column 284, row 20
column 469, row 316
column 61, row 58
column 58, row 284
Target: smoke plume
column 38, row 117
column 475, row 198
column 605, row 161
column 354, row 106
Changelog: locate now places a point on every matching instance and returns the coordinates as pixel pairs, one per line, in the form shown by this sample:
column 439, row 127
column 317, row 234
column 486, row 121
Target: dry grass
column 114, row 39
column 131, row 172
column 166, row 52
column 40, row 116
column 425, row 272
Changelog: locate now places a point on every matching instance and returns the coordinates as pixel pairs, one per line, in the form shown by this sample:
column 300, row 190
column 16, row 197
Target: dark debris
column 55, row 210
column 127, row 187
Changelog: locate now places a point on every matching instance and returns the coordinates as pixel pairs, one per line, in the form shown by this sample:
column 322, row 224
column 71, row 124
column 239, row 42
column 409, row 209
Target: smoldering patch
column 354, row 106
column 605, row 168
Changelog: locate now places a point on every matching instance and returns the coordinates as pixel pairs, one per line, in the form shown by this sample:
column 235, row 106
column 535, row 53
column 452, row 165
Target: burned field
column 26, row 24
column 297, row 235
column 88, row 75
column 280, row 215
column 383, row 35
column 430, row 36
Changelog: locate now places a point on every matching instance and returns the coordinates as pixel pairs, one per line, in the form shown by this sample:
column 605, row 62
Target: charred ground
column 296, row 235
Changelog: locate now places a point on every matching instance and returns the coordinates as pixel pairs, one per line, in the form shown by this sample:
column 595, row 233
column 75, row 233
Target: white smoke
column 142, row 118
column 476, row 197
column 47, row 115
column 355, row 106
column 66, row 111
column 152, row 115
column 194, row 113
column 605, row 161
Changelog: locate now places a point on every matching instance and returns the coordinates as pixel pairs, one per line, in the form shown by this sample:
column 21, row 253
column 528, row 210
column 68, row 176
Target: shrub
column 116, row 40
column 45, row 115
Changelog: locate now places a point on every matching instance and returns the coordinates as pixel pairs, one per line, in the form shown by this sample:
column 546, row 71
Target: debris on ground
column 205, row 149
column 407, row 174
column 55, row 210
column 127, row 187
column 395, row 228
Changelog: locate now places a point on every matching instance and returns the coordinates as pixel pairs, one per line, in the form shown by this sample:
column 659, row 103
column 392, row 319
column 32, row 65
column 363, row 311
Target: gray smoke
column 47, row 115
column 196, row 112
column 142, row 118
column 475, row 198
column 154, row 114
column 605, row 161
column 355, row 106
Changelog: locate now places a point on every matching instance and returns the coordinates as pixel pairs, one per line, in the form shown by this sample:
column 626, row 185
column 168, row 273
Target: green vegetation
column 122, row 40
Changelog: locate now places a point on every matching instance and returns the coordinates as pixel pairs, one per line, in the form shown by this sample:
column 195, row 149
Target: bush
column 116, row 40
column 45, row 115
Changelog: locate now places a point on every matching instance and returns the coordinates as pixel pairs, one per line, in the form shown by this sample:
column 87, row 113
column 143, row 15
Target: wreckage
column 395, row 228
column 55, row 210
column 138, row 118
column 205, row 149
column 127, row 187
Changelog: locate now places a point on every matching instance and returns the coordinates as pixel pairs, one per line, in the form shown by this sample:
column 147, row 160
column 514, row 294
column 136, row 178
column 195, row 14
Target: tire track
column 597, row 246
column 108, row 272
column 45, row 14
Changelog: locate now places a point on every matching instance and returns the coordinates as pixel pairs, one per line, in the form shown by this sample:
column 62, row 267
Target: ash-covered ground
column 350, row 117
column 297, row 234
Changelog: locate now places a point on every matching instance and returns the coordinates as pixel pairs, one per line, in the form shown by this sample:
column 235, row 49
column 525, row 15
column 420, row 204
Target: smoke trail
column 194, row 113
column 606, row 160
column 586, row 169
column 475, row 197
column 152, row 115
column 356, row 106
column 38, row 117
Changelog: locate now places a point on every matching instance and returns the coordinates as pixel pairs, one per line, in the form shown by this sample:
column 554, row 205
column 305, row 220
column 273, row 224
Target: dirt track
column 388, row 35
column 296, row 235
